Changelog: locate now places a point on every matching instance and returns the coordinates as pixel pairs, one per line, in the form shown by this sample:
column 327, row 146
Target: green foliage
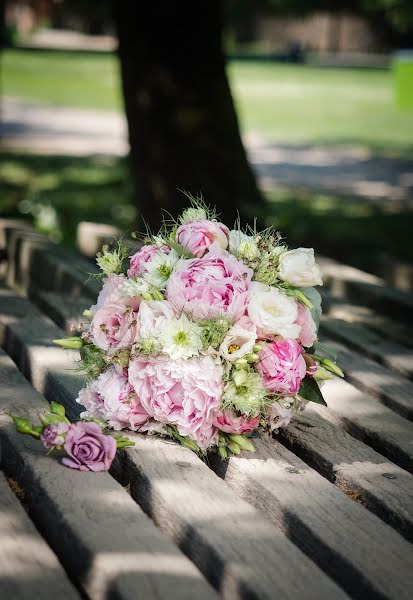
column 310, row 391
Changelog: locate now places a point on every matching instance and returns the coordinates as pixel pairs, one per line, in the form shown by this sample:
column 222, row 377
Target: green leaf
column 310, row 391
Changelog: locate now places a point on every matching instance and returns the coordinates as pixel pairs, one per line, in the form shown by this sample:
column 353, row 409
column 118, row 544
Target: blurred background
column 298, row 112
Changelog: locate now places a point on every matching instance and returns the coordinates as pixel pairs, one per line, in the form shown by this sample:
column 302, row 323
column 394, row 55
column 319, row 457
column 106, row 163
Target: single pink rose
column 88, row 448
column 308, row 333
column 279, row 417
column 184, row 393
column 54, row 435
column 114, row 326
column 198, row 236
column 229, row 422
column 212, row 286
column 145, row 254
column 282, row 366
column 111, row 397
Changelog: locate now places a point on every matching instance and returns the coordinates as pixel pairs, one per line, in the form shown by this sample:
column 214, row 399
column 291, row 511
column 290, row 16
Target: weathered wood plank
column 90, row 237
column 105, row 541
column 387, row 327
column 389, row 353
column 66, row 311
column 340, row 535
column 238, row 550
column 365, row 288
column 369, row 421
column 28, row 567
column 382, row 486
column 392, row 389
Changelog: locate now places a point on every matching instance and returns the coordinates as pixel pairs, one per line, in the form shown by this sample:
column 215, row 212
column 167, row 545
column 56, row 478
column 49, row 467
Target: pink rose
column 145, row 254
column 282, row 366
column 279, row 416
column 308, row 333
column 88, row 448
column 229, row 422
column 198, row 236
column 111, row 397
column 54, row 435
column 184, row 393
column 212, row 286
column 114, row 326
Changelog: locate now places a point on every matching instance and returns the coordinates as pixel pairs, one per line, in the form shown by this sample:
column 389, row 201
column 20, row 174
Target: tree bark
column 183, row 129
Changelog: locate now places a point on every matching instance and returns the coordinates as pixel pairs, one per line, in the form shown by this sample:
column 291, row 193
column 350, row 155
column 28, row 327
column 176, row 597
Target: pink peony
column 54, row 435
column 282, row 366
column 154, row 316
column 111, row 397
column 198, row 236
column 229, row 422
column 279, row 416
column 114, row 326
column 184, row 393
column 308, row 333
column 88, row 448
column 212, row 286
column 145, row 254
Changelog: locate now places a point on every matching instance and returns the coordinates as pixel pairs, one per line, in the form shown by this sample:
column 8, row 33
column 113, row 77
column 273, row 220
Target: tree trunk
column 183, row 129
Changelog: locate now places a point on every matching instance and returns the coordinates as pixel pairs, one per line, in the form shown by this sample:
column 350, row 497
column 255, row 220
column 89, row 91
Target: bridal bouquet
column 204, row 335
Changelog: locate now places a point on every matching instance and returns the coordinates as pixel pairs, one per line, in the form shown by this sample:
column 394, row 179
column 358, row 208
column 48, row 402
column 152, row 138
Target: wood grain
column 105, row 541
column 340, row 535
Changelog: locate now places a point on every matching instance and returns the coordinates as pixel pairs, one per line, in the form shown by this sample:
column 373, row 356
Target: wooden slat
column 66, row 311
column 105, row 541
column 364, row 288
column 368, row 420
column 382, row 486
column 28, row 567
column 340, row 535
column 233, row 545
column 392, row 389
column 389, row 353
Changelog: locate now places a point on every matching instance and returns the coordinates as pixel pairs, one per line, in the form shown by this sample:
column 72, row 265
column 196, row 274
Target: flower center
column 181, row 338
column 164, row 270
column 233, row 348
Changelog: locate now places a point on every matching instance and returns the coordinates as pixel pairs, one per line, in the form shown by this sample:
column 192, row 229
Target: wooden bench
column 325, row 511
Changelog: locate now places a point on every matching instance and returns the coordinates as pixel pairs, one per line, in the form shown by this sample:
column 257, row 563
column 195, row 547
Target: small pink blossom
column 282, row 366
column 308, row 333
column 145, row 254
column 54, row 435
column 184, row 393
column 229, row 422
column 112, row 293
column 279, row 416
column 88, row 448
column 114, row 326
column 197, row 236
column 111, row 397
column 212, row 286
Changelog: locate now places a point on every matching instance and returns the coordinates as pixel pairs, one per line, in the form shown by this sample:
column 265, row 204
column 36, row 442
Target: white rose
column 299, row 268
column 239, row 341
column 272, row 311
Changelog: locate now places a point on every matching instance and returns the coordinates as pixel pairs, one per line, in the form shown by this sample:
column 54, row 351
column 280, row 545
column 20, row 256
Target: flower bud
column 252, row 358
column 57, row 409
column 241, row 363
column 88, row 314
column 73, row 342
column 223, row 452
column 243, row 442
column 234, row 447
column 332, row 367
column 49, row 418
column 23, row 426
column 240, row 377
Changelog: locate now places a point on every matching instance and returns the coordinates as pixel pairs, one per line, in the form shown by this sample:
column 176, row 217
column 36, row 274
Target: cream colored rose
column 299, row 268
column 272, row 311
column 239, row 341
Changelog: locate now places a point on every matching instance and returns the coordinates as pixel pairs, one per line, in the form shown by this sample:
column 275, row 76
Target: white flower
column 239, row 340
column 135, row 287
column 236, row 237
column 272, row 311
column 181, row 338
column 279, row 416
column 298, row 267
column 159, row 268
column 154, row 317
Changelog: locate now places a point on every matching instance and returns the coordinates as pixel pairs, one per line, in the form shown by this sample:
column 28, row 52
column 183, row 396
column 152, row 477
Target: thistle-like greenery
column 92, row 361
column 111, row 261
column 249, row 398
column 214, row 331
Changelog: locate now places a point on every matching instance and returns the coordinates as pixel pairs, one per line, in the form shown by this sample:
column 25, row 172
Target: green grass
column 287, row 103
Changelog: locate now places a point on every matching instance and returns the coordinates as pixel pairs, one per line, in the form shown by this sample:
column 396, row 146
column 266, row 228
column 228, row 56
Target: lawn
column 287, row 103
